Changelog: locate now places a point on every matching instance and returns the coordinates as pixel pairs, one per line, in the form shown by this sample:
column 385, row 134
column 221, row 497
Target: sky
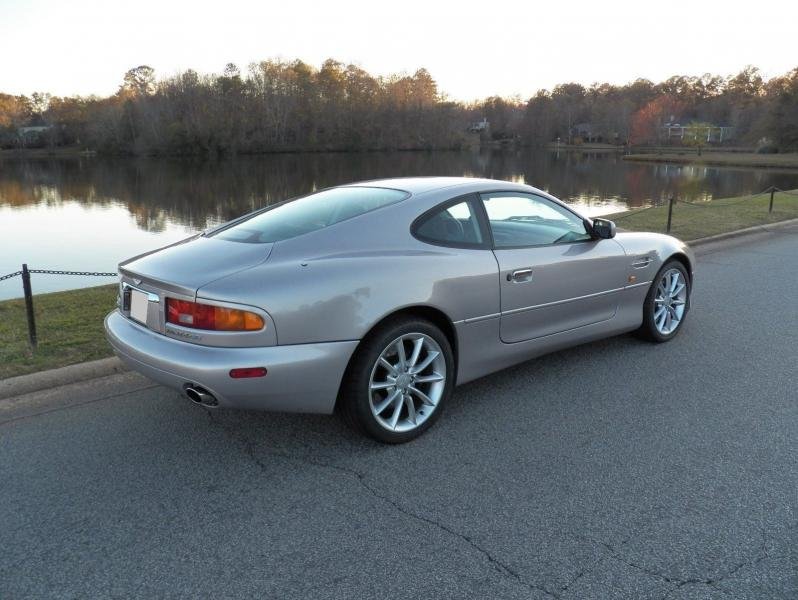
column 472, row 49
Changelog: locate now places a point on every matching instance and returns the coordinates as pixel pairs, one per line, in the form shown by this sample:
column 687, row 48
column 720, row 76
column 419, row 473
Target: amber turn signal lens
column 215, row 318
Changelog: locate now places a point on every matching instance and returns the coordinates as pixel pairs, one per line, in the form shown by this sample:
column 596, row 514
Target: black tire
column 648, row 330
column 354, row 401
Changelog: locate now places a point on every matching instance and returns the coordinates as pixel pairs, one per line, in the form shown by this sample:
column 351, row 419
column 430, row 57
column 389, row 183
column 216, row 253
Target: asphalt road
column 617, row 469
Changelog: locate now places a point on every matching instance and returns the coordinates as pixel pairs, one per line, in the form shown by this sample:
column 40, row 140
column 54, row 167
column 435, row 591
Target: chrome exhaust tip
column 199, row 395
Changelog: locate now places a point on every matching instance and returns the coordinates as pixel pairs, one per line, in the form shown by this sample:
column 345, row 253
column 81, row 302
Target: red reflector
column 247, row 372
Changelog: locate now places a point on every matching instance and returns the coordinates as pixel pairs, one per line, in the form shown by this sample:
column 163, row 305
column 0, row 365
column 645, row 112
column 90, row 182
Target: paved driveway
column 617, row 469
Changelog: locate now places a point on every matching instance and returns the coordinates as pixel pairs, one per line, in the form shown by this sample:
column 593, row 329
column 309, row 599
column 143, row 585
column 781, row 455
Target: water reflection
column 192, row 193
column 102, row 210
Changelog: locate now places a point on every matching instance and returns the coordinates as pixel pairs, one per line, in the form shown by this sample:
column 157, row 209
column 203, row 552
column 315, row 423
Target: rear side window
column 454, row 225
column 310, row 213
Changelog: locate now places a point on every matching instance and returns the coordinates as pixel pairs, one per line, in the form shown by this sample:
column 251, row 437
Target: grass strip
column 692, row 221
column 69, row 327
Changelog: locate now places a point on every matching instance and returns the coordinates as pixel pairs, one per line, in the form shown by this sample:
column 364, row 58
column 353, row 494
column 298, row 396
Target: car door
column 553, row 275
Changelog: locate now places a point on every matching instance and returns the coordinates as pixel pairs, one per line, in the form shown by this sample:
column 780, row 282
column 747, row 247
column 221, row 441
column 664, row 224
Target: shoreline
column 72, row 152
column 731, row 157
column 61, row 152
column 721, row 159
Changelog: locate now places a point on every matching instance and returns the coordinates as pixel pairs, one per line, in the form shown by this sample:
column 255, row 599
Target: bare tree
column 139, row 81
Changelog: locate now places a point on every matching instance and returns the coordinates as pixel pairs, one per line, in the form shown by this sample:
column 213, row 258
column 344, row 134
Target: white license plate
column 139, row 303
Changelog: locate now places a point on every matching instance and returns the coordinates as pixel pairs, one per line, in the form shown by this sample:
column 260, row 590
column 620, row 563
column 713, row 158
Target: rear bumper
column 300, row 378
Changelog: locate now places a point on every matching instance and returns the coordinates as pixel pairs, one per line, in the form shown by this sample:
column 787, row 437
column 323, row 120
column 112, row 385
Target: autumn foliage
column 277, row 105
column 647, row 121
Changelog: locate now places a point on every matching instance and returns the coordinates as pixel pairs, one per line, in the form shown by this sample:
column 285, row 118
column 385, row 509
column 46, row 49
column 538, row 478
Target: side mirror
column 603, row 228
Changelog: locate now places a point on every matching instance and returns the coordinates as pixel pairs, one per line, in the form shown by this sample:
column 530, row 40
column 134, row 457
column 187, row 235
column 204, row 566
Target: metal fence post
column 772, row 192
column 670, row 213
column 29, row 306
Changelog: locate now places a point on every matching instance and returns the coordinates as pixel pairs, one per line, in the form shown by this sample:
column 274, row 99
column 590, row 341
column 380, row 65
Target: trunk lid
column 188, row 265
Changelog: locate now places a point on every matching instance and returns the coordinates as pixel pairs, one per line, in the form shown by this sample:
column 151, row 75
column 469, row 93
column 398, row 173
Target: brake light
column 245, row 372
column 207, row 316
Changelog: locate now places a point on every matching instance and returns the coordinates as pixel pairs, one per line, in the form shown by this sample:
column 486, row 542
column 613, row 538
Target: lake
column 87, row 214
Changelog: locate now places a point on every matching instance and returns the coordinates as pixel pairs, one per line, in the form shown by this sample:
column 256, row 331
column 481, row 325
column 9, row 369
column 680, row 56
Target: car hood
column 187, row 265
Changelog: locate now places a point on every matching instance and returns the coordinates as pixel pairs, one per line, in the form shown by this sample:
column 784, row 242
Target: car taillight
column 207, row 316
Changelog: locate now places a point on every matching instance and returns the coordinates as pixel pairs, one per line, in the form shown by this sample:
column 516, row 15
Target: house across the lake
column 32, row 134
column 586, row 132
column 594, row 133
column 705, row 132
column 479, row 126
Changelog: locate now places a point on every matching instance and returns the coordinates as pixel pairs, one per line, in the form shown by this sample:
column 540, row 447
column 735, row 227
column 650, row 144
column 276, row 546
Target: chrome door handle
column 520, row 275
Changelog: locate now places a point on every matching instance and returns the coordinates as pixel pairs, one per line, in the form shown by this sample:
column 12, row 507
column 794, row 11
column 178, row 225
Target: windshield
column 310, row 213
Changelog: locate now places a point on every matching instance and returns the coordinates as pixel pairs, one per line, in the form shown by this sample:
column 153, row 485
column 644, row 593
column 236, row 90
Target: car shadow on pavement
column 293, row 433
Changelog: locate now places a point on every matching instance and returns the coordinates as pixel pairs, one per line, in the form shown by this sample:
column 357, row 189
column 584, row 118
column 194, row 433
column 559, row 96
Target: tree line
column 290, row 105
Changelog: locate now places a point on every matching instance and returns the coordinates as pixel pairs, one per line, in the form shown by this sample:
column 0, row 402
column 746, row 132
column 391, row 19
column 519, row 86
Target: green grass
column 69, row 326
column 702, row 219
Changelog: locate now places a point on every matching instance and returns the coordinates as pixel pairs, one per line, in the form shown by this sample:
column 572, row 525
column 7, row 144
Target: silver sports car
column 377, row 298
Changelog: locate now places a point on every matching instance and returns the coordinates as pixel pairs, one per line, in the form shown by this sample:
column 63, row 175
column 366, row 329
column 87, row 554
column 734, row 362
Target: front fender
column 659, row 248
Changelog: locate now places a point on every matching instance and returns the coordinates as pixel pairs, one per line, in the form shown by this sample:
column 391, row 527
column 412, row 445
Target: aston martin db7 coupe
column 377, row 298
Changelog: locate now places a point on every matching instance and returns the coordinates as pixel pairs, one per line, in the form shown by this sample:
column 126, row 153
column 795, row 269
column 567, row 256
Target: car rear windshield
column 310, row 213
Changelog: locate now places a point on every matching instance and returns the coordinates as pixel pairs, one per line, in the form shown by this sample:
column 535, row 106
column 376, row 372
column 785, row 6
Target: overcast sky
column 472, row 49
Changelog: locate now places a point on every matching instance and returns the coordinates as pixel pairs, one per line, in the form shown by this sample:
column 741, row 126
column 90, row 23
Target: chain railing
column 10, row 275
column 82, row 273
column 26, row 288
column 51, row 272
column 672, row 201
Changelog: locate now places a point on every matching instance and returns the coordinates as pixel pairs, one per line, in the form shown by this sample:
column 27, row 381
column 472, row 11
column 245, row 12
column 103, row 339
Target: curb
column 769, row 228
column 44, row 380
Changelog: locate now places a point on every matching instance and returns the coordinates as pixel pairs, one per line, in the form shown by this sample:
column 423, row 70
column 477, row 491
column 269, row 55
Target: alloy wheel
column 407, row 382
column 670, row 301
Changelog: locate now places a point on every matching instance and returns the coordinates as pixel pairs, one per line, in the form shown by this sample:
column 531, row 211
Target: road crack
column 361, row 478
column 592, row 567
column 612, row 551
column 712, row 582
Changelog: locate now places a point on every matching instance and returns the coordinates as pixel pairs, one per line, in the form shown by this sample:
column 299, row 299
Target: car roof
column 420, row 185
